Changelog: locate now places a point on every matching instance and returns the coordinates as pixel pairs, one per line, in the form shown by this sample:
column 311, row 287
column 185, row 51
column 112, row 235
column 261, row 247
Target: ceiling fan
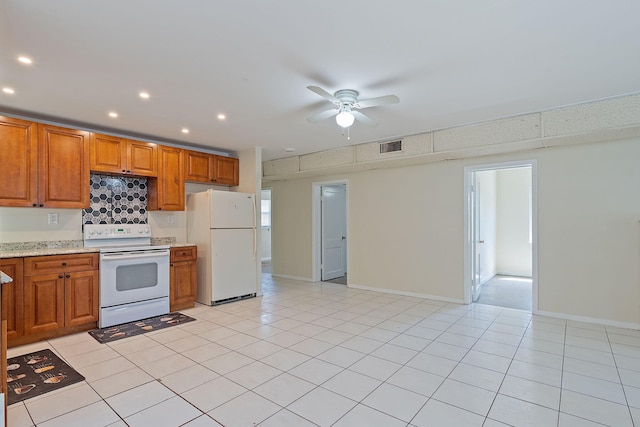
column 347, row 106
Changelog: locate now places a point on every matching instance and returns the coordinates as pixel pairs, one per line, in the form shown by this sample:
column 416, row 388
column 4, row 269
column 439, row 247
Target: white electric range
column 134, row 276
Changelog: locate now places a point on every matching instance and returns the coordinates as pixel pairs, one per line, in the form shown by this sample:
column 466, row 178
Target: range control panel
column 116, row 231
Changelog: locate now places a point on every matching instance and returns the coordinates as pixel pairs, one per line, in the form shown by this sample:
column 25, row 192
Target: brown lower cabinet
column 59, row 295
column 12, row 267
column 183, row 277
column 13, row 297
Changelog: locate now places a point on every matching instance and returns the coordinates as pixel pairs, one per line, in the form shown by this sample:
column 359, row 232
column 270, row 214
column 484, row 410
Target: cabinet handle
column 41, row 205
column 67, row 276
column 60, row 276
column 124, row 170
column 64, row 264
column 35, row 205
column 128, row 171
column 171, row 264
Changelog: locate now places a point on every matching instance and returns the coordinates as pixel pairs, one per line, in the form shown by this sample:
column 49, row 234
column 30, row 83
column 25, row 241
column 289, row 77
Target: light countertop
column 21, row 253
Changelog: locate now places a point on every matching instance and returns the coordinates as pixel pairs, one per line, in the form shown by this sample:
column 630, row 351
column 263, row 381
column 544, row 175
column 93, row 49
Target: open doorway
column 500, row 234
column 330, row 232
column 265, row 229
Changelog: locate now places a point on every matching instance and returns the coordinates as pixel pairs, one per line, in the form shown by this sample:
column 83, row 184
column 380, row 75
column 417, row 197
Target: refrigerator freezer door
column 233, row 264
column 232, row 210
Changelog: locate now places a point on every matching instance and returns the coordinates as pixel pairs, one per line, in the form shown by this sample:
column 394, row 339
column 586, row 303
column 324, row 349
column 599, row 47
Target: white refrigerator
column 223, row 226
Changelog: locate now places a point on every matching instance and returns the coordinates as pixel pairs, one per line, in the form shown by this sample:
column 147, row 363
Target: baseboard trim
column 585, row 319
column 286, row 276
column 406, row 294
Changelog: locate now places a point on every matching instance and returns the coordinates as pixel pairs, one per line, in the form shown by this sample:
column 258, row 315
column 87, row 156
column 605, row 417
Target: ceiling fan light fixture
column 345, row 118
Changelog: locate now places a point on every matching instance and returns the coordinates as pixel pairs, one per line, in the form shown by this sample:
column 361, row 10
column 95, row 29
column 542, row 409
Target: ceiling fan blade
column 364, row 119
column 322, row 115
column 381, row 100
column 323, row 93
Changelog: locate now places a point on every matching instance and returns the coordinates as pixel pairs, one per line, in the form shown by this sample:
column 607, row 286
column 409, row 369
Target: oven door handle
column 124, row 255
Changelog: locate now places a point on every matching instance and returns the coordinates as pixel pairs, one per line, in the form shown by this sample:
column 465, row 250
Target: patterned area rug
column 138, row 327
column 37, row 373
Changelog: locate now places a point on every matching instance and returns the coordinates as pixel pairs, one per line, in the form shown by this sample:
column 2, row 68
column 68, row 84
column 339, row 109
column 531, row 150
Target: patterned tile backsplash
column 117, row 200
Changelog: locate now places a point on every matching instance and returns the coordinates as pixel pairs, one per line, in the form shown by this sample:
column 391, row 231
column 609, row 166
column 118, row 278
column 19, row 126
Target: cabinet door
column 226, row 170
column 183, row 285
column 108, row 154
column 142, row 158
column 198, row 166
column 19, row 149
column 13, row 297
column 81, row 297
column 43, row 303
column 167, row 191
column 63, row 160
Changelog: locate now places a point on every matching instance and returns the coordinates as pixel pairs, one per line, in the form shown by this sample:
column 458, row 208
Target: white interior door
column 334, row 231
column 476, row 242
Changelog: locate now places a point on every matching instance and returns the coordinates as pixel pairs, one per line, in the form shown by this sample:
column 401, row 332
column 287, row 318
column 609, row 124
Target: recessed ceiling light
column 8, row 90
column 221, row 116
column 144, row 95
column 25, row 59
column 185, row 130
column 113, row 114
column 289, row 150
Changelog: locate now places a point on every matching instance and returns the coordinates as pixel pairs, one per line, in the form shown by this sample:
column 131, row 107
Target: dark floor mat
column 37, row 373
column 138, row 327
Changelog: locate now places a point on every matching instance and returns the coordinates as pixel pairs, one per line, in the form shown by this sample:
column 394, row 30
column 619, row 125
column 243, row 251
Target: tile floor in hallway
column 323, row 354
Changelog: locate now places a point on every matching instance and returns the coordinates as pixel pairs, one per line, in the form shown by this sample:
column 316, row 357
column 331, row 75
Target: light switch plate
column 53, row 218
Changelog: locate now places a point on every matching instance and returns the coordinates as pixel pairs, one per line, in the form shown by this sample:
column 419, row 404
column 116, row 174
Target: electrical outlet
column 170, row 218
column 53, row 218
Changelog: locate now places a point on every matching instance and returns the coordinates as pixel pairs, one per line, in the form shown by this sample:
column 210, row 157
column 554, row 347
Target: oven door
column 133, row 276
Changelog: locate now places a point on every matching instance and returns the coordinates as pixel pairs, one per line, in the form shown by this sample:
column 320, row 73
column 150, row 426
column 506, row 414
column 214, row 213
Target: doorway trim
column 316, row 221
column 468, row 216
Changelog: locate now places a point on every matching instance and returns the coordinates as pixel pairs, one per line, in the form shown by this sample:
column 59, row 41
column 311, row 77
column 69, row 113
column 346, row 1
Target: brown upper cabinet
column 167, row 191
column 113, row 155
column 19, row 149
column 49, row 165
column 63, row 160
column 226, row 170
column 210, row 168
column 198, row 166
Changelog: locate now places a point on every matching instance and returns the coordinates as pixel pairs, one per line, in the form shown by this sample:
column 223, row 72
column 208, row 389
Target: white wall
column 31, row 224
column 514, row 250
column 406, row 228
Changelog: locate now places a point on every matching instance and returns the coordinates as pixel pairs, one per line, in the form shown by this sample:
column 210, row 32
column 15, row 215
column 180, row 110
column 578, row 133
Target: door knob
column 481, row 241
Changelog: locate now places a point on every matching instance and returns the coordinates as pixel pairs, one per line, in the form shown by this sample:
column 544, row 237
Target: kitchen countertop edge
column 22, row 253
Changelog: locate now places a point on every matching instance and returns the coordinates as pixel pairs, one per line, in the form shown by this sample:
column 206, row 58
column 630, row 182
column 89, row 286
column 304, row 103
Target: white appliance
column 134, row 276
column 223, row 226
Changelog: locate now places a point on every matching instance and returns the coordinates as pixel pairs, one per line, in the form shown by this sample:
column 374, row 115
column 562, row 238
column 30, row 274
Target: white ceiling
column 450, row 62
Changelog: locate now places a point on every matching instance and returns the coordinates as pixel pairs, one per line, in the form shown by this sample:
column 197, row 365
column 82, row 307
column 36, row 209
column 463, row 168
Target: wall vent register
column 390, row 147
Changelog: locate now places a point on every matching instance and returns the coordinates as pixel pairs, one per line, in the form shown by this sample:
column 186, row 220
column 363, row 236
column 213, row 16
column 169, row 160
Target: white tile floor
column 323, row 354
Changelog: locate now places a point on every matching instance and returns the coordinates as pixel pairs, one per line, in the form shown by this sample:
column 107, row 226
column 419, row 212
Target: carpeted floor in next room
column 507, row 291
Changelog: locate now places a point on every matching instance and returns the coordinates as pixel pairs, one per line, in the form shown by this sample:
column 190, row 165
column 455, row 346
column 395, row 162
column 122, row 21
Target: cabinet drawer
column 186, row 253
column 58, row 263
